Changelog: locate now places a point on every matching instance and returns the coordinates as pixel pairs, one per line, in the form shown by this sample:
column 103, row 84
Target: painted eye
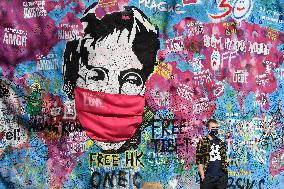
column 132, row 79
column 96, row 74
column 131, row 83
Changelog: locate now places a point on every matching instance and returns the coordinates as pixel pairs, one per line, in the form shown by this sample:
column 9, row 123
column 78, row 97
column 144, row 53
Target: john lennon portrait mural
column 105, row 72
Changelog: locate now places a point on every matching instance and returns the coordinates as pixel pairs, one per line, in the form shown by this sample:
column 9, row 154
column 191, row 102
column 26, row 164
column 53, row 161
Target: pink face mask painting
column 109, row 117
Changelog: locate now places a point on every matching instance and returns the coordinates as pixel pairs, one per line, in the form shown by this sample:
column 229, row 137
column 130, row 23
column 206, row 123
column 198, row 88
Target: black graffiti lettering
column 138, row 159
column 69, row 127
column 153, row 129
column 65, row 131
column 96, row 180
column 165, row 124
column 157, row 144
column 100, row 160
column 109, row 179
column 230, row 183
column 121, row 178
column 239, row 182
column 248, row 184
column 171, row 145
column 133, row 158
column 261, row 183
column 137, row 179
column 169, row 127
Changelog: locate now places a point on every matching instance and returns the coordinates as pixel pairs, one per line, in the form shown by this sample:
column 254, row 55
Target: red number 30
column 223, row 4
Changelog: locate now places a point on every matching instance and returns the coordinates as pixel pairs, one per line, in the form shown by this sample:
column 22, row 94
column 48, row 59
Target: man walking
column 211, row 159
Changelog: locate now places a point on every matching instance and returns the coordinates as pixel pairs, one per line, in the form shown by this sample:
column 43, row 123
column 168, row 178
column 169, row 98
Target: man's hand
column 201, row 171
column 202, row 178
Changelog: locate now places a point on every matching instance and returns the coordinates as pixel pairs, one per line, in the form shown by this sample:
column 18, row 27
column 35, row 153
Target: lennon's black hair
column 145, row 43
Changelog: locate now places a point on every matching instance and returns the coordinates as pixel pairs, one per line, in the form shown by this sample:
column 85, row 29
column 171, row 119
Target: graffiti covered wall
column 116, row 93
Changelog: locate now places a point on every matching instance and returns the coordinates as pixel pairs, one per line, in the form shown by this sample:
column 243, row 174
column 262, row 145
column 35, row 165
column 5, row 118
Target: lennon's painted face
column 241, row 8
column 112, row 66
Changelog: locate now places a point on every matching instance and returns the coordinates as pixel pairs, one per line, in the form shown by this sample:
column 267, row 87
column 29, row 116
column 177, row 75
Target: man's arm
column 225, row 159
column 201, row 171
column 199, row 159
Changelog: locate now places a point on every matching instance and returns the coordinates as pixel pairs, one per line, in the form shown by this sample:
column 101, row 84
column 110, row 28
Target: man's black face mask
column 213, row 132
